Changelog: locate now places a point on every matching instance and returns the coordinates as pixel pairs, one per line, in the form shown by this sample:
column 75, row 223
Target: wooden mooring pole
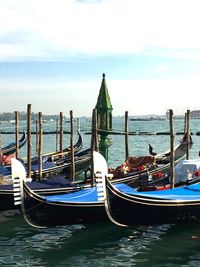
column 36, row 136
column 187, row 133
column 72, row 145
column 94, row 139
column 172, row 172
column 94, row 143
column 29, row 143
column 126, row 136
column 40, row 145
column 17, row 133
column 57, row 135
column 185, row 123
column 61, row 132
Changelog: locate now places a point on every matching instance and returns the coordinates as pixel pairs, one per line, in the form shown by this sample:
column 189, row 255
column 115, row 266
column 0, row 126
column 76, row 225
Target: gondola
column 65, row 153
column 78, row 207
column 136, row 171
column 63, row 165
column 84, row 206
column 54, row 163
column 51, row 186
column 55, row 184
column 11, row 148
column 125, row 206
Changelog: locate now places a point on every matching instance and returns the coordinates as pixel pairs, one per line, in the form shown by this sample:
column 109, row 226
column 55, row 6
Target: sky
column 53, row 54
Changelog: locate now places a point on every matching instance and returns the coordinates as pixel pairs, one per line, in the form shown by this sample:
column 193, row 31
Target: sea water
column 103, row 244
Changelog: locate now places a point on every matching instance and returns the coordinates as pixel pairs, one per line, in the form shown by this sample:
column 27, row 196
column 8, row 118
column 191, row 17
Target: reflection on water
column 97, row 245
column 22, row 245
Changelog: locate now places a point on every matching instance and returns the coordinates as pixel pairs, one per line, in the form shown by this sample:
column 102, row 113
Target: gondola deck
column 85, row 195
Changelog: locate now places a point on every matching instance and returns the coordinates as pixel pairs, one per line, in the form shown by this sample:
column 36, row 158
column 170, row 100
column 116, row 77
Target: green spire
column 103, row 102
column 104, row 118
column 104, row 107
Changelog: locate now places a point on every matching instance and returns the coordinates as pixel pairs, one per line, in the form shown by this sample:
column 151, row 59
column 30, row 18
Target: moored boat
column 126, row 206
column 43, row 211
column 53, row 163
column 135, row 171
column 56, row 184
column 11, row 148
column 84, row 206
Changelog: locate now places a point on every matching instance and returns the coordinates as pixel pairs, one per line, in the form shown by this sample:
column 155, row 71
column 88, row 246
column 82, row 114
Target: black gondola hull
column 136, row 210
column 46, row 188
column 11, row 148
column 7, row 200
column 44, row 214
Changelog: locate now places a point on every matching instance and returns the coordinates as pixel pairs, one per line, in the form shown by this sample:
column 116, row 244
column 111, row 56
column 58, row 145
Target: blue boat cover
column 191, row 192
column 5, row 170
column 84, row 195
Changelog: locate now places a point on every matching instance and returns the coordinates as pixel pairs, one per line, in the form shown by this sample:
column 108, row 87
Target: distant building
column 174, row 116
column 195, row 114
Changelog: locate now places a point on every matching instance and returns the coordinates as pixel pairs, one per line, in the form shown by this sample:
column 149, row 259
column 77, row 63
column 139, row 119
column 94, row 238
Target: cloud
column 49, row 29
